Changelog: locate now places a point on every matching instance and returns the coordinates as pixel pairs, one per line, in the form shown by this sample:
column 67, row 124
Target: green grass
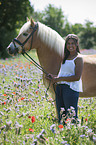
column 22, row 94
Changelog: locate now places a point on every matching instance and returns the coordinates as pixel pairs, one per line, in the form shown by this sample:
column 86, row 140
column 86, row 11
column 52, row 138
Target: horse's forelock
column 51, row 38
column 25, row 27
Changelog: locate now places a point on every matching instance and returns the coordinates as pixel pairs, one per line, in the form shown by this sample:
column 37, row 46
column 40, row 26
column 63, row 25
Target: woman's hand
column 51, row 78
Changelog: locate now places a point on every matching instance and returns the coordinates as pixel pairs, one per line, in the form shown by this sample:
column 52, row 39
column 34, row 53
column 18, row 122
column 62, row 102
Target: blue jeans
column 65, row 97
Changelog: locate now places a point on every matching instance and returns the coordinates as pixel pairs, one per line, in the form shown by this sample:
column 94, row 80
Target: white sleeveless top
column 68, row 69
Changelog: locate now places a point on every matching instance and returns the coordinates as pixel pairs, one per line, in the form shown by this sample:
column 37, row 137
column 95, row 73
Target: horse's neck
column 49, row 60
column 50, row 49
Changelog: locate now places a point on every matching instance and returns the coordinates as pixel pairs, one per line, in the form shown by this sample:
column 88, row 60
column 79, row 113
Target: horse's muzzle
column 12, row 51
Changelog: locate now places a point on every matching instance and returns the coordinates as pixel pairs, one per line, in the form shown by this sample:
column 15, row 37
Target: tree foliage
column 88, row 36
column 13, row 11
column 13, row 14
column 54, row 18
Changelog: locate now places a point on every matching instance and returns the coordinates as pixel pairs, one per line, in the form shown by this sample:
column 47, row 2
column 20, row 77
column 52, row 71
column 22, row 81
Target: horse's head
column 24, row 40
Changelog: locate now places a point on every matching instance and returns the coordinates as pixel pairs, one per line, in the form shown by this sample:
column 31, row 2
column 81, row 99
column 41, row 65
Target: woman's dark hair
column 66, row 51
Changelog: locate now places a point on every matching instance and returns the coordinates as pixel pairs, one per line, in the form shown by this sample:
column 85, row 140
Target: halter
column 22, row 44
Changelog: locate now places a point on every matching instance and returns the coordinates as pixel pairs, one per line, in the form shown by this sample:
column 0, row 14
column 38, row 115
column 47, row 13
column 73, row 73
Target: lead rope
column 41, row 68
column 34, row 62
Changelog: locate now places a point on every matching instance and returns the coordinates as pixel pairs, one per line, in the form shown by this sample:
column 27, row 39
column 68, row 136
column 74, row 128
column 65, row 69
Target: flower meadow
column 28, row 116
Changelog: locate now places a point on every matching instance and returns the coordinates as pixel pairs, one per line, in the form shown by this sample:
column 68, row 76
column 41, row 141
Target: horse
column 49, row 46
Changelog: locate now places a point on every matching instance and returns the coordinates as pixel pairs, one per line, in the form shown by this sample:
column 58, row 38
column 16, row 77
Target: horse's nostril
column 9, row 48
column 10, row 51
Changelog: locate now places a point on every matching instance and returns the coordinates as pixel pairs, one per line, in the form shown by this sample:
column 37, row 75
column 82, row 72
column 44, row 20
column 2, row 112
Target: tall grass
column 26, row 117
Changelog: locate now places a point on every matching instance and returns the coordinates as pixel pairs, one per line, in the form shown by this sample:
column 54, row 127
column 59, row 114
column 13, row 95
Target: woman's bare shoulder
column 79, row 59
column 79, row 56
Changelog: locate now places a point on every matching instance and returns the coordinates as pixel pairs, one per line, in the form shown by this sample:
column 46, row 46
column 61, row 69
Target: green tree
column 74, row 29
column 13, row 14
column 38, row 16
column 13, row 11
column 88, row 36
column 54, row 18
column 77, row 28
column 67, row 29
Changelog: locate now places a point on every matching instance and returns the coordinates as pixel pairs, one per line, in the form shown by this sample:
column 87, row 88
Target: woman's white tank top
column 68, row 69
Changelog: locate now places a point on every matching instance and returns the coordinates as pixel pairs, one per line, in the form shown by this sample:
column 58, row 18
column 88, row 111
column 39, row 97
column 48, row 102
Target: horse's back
column 91, row 59
column 89, row 76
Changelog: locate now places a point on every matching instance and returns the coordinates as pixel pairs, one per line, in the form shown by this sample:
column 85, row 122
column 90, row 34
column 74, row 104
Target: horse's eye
column 25, row 34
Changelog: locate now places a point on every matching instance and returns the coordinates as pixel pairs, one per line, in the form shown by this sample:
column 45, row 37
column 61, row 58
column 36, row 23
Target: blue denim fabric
column 65, row 97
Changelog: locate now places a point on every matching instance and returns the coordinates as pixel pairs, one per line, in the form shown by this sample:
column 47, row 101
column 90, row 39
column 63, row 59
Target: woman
column 68, row 81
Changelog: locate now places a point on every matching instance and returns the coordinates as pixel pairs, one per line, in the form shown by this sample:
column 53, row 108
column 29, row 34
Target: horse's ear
column 32, row 22
column 28, row 19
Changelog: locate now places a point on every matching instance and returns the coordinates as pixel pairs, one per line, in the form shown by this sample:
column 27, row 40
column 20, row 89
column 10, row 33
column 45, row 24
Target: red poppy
column 3, row 103
column 30, row 129
column 67, row 120
column 86, row 119
column 22, row 98
column 37, row 92
column 4, row 95
column 33, row 119
column 60, row 126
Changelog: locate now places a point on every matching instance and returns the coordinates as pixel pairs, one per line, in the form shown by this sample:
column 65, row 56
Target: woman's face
column 71, row 45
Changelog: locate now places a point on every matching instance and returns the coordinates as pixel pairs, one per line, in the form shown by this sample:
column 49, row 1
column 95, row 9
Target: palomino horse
column 50, row 50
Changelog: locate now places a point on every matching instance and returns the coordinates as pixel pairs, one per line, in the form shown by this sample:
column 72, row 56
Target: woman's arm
column 76, row 77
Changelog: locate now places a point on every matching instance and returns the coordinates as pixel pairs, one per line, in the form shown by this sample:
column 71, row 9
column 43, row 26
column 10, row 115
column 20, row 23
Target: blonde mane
column 51, row 38
column 48, row 36
column 25, row 27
